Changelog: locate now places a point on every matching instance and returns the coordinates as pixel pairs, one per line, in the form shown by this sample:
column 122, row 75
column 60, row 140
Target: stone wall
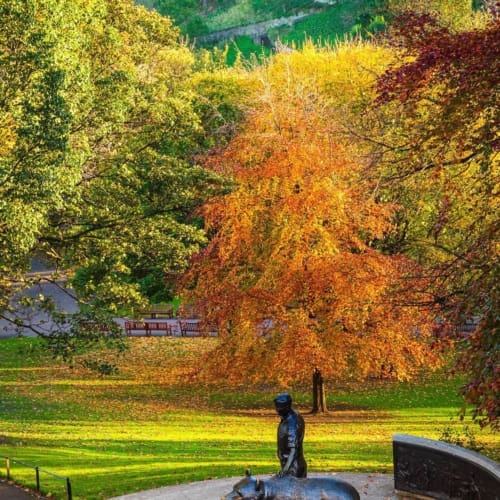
column 435, row 469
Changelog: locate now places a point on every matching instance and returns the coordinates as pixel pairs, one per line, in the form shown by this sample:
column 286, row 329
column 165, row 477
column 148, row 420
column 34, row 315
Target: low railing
column 37, row 470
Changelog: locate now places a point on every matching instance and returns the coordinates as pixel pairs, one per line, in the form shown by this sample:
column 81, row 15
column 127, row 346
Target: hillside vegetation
column 291, row 22
column 271, row 23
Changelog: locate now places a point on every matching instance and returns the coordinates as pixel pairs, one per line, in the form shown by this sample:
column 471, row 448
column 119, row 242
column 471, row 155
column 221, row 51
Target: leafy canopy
column 99, row 131
column 291, row 276
column 447, row 95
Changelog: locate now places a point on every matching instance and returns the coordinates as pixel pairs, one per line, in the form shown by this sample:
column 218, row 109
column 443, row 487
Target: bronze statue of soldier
column 291, row 431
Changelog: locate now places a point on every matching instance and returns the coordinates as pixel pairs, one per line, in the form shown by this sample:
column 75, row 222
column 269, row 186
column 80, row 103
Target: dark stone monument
column 292, row 488
column 291, row 483
column 436, row 469
column 291, row 431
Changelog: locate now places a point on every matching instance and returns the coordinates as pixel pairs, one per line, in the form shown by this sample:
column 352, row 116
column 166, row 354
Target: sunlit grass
column 147, row 427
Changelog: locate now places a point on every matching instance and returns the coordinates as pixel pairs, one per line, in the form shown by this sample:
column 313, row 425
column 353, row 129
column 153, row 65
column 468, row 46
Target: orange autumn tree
column 291, row 277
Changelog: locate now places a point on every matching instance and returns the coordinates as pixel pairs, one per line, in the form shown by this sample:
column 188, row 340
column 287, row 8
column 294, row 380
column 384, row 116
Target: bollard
column 68, row 488
column 37, row 471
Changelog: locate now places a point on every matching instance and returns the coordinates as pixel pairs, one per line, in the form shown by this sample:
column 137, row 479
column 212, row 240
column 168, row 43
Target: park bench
column 93, row 325
column 194, row 328
column 159, row 326
column 159, row 310
column 147, row 327
column 190, row 328
column 135, row 326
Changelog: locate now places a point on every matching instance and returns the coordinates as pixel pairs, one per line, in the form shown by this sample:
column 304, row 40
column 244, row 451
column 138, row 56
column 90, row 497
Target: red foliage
column 455, row 78
column 461, row 69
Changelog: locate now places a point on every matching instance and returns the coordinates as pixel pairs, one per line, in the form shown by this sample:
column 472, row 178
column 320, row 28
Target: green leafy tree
column 99, row 133
column 35, row 125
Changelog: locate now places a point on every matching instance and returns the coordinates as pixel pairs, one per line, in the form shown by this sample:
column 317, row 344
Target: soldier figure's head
column 283, row 404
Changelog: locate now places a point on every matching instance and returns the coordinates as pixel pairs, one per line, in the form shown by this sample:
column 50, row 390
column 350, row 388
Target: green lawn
column 246, row 48
column 148, row 427
column 329, row 26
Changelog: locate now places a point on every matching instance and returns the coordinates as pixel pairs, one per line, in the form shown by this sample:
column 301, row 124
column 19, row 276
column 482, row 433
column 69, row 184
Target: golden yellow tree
column 291, row 277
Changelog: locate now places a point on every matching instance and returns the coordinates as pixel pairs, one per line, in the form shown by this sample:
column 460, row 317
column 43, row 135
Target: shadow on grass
column 101, row 468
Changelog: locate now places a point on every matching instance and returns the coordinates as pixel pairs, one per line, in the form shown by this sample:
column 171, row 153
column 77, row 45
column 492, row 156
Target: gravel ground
column 369, row 486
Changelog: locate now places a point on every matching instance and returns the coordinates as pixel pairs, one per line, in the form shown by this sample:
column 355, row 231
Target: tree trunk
column 319, row 394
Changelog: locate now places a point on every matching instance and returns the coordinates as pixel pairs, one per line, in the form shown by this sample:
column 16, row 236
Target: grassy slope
column 147, row 427
column 243, row 12
column 328, row 26
column 334, row 22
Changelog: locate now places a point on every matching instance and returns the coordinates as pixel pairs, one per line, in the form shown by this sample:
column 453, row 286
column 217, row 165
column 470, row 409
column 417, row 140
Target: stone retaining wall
column 255, row 30
column 435, row 469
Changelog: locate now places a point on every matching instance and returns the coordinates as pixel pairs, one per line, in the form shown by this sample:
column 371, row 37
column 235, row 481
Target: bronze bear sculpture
column 292, row 488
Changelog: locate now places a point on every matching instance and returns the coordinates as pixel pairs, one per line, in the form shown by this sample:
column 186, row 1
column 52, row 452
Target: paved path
column 370, row 487
column 64, row 302
column 62, row 297
column 9, row 491
column 255, row 29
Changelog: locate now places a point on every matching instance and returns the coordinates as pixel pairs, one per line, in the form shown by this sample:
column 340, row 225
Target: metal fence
column 38, row 470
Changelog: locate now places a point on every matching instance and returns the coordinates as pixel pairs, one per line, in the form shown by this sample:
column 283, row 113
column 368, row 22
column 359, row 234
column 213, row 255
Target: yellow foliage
column 290, row 277
column 457, row 14
column 8, row 135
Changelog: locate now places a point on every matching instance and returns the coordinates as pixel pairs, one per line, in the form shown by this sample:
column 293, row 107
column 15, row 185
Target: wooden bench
column 194, row 328
column 159, row 326
column 190, row 328
column 147, row 327
column 93, row 326
column 159, row 310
